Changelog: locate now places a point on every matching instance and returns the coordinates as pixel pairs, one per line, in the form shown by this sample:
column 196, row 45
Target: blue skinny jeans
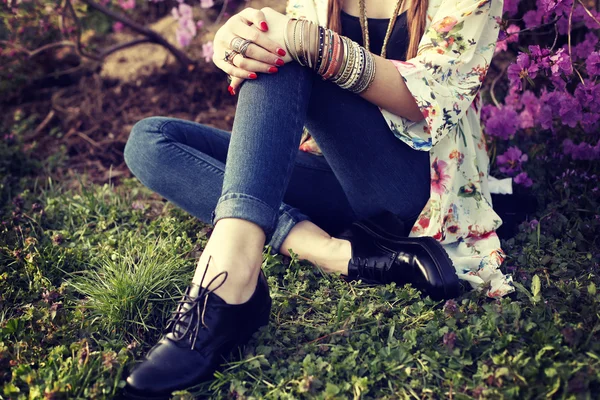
column 257, row 173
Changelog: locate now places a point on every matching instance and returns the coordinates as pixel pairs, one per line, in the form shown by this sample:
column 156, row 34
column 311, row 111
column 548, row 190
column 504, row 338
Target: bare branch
column 154, row 37
column 105, row 53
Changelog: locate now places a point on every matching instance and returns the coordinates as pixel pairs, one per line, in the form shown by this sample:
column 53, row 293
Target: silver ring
column 229, row 56
column 240, row 45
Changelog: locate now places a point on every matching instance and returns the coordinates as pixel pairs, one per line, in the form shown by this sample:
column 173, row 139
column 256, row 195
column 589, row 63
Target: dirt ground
column 95, row 109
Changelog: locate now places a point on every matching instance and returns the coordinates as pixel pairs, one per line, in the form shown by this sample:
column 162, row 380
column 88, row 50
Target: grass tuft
column 134, row 289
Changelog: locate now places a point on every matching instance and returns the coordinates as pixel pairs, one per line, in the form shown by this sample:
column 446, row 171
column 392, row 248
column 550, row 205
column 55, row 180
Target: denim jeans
column 257, row 173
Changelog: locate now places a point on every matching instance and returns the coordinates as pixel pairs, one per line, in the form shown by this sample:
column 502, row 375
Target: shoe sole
column 129, row 395
column 450, row 281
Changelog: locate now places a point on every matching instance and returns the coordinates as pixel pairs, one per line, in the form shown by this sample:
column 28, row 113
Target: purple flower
column 523, row 179
column 531, row 110
column 533, row 224
column 502, row 123
column 523, row 68
column 540, row 56
column 533, row 18
column 581, row 151
column 592, row 64
column 511, row 162
column 450, row 307
column 570, row 111
column 585, row 47
column 449, row 340
column 561, row 62
column 511, row 7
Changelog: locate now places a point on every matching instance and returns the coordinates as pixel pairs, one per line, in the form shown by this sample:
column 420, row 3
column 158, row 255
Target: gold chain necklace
column 364, row 24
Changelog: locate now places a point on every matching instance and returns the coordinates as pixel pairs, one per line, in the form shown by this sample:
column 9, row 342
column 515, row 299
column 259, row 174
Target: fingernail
column 263, row 26
column 279, row 62
column 272, row 69
column 252, row 75
column 281, row 52
column 231, row 91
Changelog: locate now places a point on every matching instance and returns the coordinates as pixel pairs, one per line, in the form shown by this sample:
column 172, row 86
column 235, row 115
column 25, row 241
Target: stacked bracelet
column 332, row 56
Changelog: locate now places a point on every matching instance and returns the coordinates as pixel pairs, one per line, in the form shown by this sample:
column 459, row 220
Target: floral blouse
column 444, row 78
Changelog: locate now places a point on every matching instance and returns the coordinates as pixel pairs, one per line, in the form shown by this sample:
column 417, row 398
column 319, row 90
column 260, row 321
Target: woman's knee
column 142, row 149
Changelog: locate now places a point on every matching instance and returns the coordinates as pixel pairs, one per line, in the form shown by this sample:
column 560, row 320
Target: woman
column 382, row 137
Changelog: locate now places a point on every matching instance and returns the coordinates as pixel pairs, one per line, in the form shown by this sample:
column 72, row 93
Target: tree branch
column 153, row 37
column 105, row 53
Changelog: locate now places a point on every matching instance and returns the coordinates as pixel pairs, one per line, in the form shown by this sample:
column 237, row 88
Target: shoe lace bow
column 188, row 318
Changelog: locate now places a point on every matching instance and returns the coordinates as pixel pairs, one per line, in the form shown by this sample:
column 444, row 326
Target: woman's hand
column 253, row 23
column 263, row 55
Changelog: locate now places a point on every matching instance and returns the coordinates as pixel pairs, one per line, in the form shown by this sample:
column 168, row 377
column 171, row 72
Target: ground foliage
column 88, row 275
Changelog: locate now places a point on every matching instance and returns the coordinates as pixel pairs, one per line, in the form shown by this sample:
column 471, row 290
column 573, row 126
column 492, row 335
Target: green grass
column 88, row 276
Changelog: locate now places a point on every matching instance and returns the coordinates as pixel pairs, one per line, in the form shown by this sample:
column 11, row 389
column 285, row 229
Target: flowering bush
column 550, row 85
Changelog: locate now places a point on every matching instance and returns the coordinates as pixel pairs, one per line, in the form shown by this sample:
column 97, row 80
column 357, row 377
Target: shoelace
column 178, row 318
column 371, row 269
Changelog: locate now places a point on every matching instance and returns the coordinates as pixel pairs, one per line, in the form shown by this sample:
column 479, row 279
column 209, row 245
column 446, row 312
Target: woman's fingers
column 234, row 85
column 252, row 16
column 239, row 27
column 243, row 67
column 232, row 69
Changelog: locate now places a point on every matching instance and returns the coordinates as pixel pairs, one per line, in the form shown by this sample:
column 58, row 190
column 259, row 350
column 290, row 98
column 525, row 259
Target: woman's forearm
column 389, row 91
column 385, row 88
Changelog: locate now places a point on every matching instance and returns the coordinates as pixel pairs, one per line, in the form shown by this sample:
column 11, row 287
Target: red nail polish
column 273, row 69
column 231, row 91
column 279, row 62
column 281, row 52
column 252, row 75
column 263, row 26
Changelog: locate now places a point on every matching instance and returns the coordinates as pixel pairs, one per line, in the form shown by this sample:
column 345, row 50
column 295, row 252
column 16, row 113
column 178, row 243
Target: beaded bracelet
column 344, row 61
column 321, row 43
column 323, row 63
column 334, row 57
column 347, row 69
column 352, row 66
column 356, row 69
column 366, row 77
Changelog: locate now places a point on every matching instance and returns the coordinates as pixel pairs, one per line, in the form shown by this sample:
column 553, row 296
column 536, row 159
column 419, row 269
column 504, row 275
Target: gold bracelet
column 350, row 64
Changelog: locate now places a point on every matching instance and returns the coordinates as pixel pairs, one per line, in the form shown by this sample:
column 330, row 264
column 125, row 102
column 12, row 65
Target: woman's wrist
column 332, row 56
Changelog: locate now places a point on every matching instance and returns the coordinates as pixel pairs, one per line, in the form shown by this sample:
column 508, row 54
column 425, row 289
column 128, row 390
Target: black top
column 397, row 43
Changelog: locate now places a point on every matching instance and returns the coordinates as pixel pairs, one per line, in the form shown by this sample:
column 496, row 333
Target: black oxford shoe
column 203, row 330
column 382, row 257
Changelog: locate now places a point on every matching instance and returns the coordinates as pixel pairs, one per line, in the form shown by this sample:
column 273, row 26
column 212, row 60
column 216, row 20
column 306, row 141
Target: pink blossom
column 445, row 25
column 183, row 36
column 118, row 27
column 206, row 3
column 513, row 33
column 500, row 46
column 208, row 51
column 127, row 4
column 440, row 177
